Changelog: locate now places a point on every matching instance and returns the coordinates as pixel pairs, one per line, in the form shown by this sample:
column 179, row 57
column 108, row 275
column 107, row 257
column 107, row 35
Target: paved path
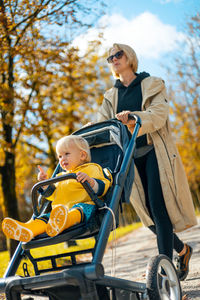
column 134, row 250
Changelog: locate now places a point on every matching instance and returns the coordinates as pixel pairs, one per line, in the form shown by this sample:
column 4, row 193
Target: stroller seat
column 107, row 145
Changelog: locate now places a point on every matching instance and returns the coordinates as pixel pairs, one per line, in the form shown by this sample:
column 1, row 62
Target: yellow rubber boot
column 23, row 232
column 61, row 219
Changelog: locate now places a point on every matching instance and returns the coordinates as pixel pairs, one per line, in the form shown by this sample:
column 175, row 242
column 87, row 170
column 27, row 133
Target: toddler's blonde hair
column 81, row 143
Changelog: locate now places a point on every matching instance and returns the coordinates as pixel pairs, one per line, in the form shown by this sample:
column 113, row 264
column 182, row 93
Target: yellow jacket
column 70, row 192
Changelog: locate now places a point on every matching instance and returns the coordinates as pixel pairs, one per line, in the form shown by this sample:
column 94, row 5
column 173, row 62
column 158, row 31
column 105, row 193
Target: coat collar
column 150, row 87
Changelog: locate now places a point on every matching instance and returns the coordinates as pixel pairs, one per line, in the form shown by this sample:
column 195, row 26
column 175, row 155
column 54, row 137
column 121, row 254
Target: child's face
column 71, row 157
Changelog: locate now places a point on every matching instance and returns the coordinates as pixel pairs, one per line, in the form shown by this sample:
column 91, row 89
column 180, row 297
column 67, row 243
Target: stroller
column 112, row 147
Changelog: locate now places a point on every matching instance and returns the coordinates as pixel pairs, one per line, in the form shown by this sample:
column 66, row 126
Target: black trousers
column 147, row 167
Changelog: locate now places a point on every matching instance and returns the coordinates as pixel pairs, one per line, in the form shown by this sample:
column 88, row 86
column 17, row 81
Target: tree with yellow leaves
column 39, row 85
column 186, row 107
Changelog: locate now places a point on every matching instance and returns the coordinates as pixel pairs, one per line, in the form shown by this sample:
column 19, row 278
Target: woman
column 161, row 195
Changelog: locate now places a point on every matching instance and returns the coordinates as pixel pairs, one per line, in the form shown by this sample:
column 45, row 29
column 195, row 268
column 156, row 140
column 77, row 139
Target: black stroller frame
column 86, row 281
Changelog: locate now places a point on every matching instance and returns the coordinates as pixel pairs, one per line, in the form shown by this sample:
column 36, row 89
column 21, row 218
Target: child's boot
column 61, row 219
column 23, row 232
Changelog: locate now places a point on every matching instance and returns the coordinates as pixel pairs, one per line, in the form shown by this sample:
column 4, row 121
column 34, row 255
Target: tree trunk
column 9, row 193
column 10, row 207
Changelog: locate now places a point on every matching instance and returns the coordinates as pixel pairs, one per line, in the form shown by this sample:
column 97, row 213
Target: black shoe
column 182, row 263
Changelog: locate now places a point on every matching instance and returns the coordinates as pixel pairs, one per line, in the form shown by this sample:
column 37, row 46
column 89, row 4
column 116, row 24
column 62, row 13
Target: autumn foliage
column 185, row 90
column 47, row 88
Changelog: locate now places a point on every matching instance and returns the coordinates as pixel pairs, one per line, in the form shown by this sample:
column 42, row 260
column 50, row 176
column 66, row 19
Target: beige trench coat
column 155, row 123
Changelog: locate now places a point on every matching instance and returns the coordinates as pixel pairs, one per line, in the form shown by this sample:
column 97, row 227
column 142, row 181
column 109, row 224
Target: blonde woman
column 71, row 203
column 160, row 195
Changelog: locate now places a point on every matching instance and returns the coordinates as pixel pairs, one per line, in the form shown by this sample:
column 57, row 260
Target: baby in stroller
column 71, row 203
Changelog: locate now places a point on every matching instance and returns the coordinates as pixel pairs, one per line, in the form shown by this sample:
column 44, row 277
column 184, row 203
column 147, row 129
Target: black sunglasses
column 118, row 55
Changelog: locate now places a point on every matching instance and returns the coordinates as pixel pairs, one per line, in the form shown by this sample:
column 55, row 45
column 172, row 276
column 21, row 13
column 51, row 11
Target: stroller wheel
column 162, row 279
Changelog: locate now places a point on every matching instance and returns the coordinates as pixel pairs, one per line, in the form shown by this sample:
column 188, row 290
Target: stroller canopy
column 108, row 142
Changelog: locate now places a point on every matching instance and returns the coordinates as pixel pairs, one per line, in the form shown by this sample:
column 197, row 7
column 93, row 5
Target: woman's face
column 119, row 65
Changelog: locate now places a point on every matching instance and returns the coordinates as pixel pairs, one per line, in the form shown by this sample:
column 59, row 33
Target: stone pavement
column 134, row 251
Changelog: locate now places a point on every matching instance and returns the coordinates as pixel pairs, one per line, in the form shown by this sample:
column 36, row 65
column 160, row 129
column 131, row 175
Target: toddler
column 71, row 203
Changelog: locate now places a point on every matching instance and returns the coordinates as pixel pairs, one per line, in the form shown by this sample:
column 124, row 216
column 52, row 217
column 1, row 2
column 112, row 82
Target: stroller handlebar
column 135, row 117
column 86, row 185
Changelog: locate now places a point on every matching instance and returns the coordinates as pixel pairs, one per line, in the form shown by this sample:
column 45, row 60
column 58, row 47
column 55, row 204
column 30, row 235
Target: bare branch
column 35, row 147
column 32, row 16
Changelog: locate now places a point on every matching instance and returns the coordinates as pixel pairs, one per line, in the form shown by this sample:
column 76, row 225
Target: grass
column 58, row 249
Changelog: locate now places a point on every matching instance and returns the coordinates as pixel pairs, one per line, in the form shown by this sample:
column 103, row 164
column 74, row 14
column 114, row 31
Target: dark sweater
column 130, row 98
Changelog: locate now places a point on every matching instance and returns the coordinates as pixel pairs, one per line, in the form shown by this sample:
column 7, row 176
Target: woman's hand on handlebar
column 124, row 118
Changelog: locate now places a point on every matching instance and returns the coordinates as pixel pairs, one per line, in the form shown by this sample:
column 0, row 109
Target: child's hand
column 82, row 177
column 42, row 174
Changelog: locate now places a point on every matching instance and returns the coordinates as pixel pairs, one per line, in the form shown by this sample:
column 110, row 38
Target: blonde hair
column 81, row 143
column 130, row 54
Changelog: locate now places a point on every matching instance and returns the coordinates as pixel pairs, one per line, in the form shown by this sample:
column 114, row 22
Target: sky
column 154, row 28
